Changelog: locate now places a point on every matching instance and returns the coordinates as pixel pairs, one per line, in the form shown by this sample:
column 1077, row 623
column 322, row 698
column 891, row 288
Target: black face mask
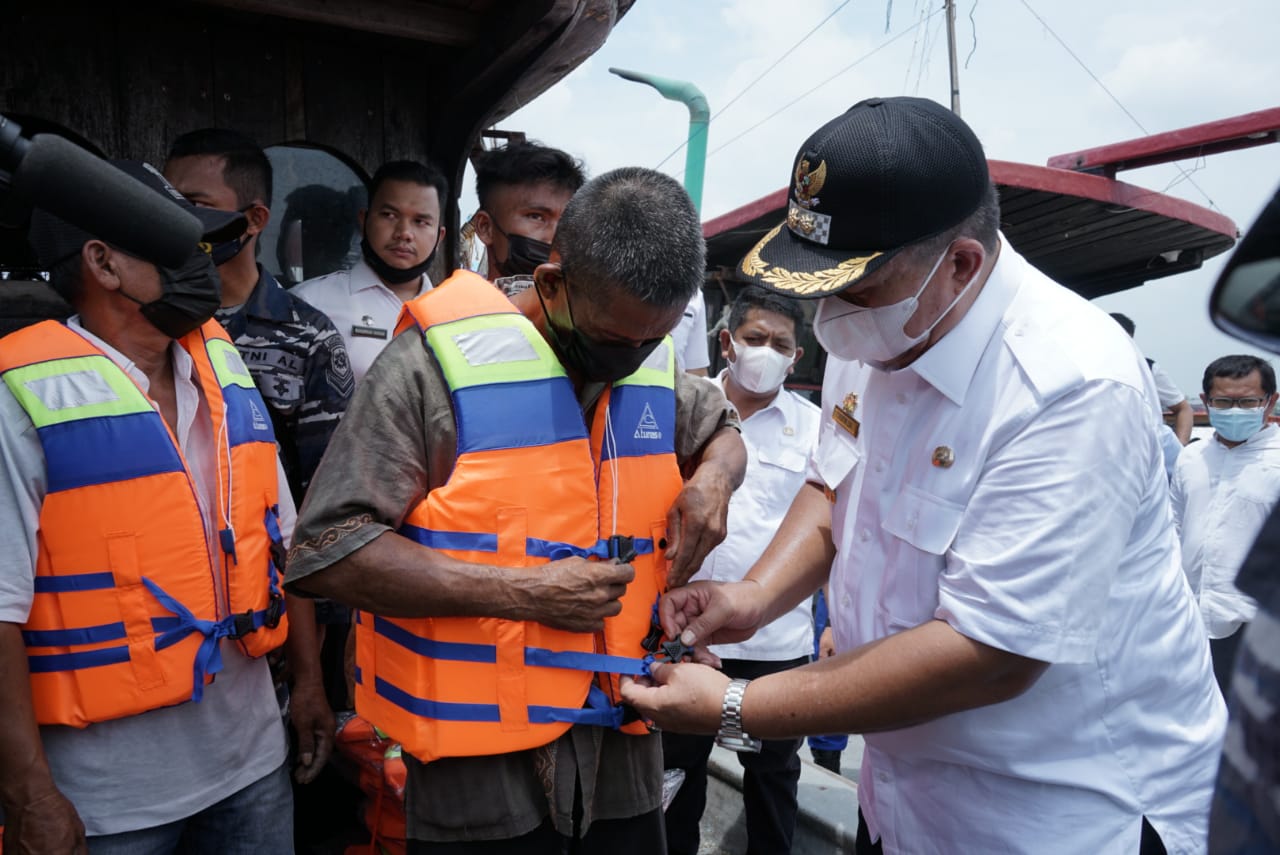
column 394, row 275
column 594, row 360
column 223, row 252
column 524, row 254
column 189, row 296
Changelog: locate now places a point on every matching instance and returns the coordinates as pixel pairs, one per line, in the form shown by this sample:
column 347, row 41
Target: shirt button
column 879, row 465
column 882, row 777
column 864, row 535
column 901, row 398
column 845, row 601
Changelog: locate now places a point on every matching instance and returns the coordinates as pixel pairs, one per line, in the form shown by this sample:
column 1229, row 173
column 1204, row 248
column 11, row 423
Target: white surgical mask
column 759, row 368
column 1237, row 424
column 875, row 336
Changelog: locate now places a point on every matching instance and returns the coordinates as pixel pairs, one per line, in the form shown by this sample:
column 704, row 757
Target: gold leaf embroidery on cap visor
column 831, row 279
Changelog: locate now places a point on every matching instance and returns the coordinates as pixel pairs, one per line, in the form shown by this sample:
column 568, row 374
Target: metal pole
column 951, row 52
column 699, row 117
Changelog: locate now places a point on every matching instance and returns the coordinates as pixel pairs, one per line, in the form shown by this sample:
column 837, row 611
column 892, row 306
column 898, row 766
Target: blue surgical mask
column 1237, row 424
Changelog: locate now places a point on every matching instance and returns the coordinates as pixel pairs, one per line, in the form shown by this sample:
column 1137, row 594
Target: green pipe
column 695, row 160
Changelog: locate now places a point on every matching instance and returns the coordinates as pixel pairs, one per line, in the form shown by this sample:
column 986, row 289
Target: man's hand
column 697, row 522
column 46, row 825
column 684, row 698
column 574, row 594
column 712, row 612
column 313, row 722
column 827, row 644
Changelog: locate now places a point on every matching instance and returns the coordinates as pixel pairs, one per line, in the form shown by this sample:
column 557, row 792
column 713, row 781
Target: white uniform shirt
column 159, row 766
column 1221, row 498
column 779, row 439
column 1166, row 389
column 363, row 309
column 1049, row 535
column 690, row 335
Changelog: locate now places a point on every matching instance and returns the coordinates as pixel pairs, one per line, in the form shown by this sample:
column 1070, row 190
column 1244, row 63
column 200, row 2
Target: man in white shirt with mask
column 780, row 430
column 1014, row 635
column 402, row 229
column 1223, row 490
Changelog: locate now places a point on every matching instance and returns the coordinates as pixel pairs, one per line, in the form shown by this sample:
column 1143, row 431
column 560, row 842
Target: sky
column 1170, row 64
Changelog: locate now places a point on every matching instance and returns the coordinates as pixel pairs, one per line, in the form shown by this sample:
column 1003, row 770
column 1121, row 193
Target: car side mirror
column 1246, row 299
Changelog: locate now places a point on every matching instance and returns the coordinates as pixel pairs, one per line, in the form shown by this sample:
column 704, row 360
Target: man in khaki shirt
column 398, row 442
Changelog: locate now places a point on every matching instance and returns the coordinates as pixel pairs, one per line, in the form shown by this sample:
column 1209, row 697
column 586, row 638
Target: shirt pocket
column 923, row 526
column 836, row 456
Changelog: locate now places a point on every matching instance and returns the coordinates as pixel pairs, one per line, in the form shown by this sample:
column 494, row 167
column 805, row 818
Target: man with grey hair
column 503, row 502
column 989, row 504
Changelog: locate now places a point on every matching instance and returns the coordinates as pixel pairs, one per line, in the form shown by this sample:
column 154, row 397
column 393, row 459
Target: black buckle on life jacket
column 622, row 548
column 673, row 651
column 275, row 610
column 653, row 640
column 241, row 624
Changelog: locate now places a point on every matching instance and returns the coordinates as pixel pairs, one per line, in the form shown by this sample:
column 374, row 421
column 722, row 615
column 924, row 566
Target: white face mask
column 759, row 368
column 875, row 336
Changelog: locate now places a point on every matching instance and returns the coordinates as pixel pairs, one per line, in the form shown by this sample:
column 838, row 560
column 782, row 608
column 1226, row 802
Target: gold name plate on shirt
column 843, row 414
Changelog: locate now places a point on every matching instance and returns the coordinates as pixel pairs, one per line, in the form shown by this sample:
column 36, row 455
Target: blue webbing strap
column 454, row 651
column 597, row 711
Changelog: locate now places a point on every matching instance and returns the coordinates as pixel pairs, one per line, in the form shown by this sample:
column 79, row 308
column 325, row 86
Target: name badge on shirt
column 842, row 414
column 358, row 331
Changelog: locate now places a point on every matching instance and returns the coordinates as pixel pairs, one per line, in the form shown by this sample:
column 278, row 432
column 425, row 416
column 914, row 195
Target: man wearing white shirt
column 1016, row 640
column 780, row 429
column 402, row 228
column 690, row 338
column 1223, row 490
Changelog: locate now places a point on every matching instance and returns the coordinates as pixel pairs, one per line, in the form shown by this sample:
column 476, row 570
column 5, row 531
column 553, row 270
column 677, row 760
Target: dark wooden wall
column 130, row 76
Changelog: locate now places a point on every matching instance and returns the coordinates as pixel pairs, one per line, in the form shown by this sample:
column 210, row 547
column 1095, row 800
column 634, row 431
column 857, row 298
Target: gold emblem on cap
column 799, row 222
column 809, row 181
column 205, row 247
column 842, row 414
column 943, row 457
column 823, row 281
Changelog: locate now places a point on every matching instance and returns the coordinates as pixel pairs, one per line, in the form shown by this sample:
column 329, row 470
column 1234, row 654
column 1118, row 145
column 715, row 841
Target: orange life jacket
column 129, row 607
column 530, row 484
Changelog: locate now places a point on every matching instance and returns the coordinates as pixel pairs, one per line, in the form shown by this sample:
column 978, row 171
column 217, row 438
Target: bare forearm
column 798, row 560
column 903, row 680
column 1183, row 419
column 724, row 456
column 394, row 576
column 24, row 772
column 302, row 645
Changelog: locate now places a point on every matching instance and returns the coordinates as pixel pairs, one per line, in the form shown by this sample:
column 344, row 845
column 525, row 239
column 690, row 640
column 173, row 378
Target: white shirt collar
column 183, row 366
column 363, row 278
column 950, row 364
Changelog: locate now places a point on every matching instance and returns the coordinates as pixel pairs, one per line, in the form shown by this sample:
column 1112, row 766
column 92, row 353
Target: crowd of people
column 510, row 520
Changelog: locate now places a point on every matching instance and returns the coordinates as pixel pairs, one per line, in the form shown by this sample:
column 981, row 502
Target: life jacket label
column 648, row 426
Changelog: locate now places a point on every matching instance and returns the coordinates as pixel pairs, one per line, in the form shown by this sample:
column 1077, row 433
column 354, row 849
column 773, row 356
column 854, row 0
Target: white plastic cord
column 611, row 447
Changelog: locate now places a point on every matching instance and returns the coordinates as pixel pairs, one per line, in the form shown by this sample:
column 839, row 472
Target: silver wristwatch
column 731, row 735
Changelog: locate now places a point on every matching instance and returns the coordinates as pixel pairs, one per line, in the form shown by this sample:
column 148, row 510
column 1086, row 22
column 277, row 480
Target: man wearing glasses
column 1223, row 490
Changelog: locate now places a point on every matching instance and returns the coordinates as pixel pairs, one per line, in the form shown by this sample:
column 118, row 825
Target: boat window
column 313, row 228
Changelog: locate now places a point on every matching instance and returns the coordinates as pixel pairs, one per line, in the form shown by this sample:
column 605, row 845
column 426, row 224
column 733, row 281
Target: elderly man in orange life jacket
column 147, row 513
column 514, row 484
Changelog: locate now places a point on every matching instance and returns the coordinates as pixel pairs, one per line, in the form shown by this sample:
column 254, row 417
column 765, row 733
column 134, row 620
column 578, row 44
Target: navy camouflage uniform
column 299, row 362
